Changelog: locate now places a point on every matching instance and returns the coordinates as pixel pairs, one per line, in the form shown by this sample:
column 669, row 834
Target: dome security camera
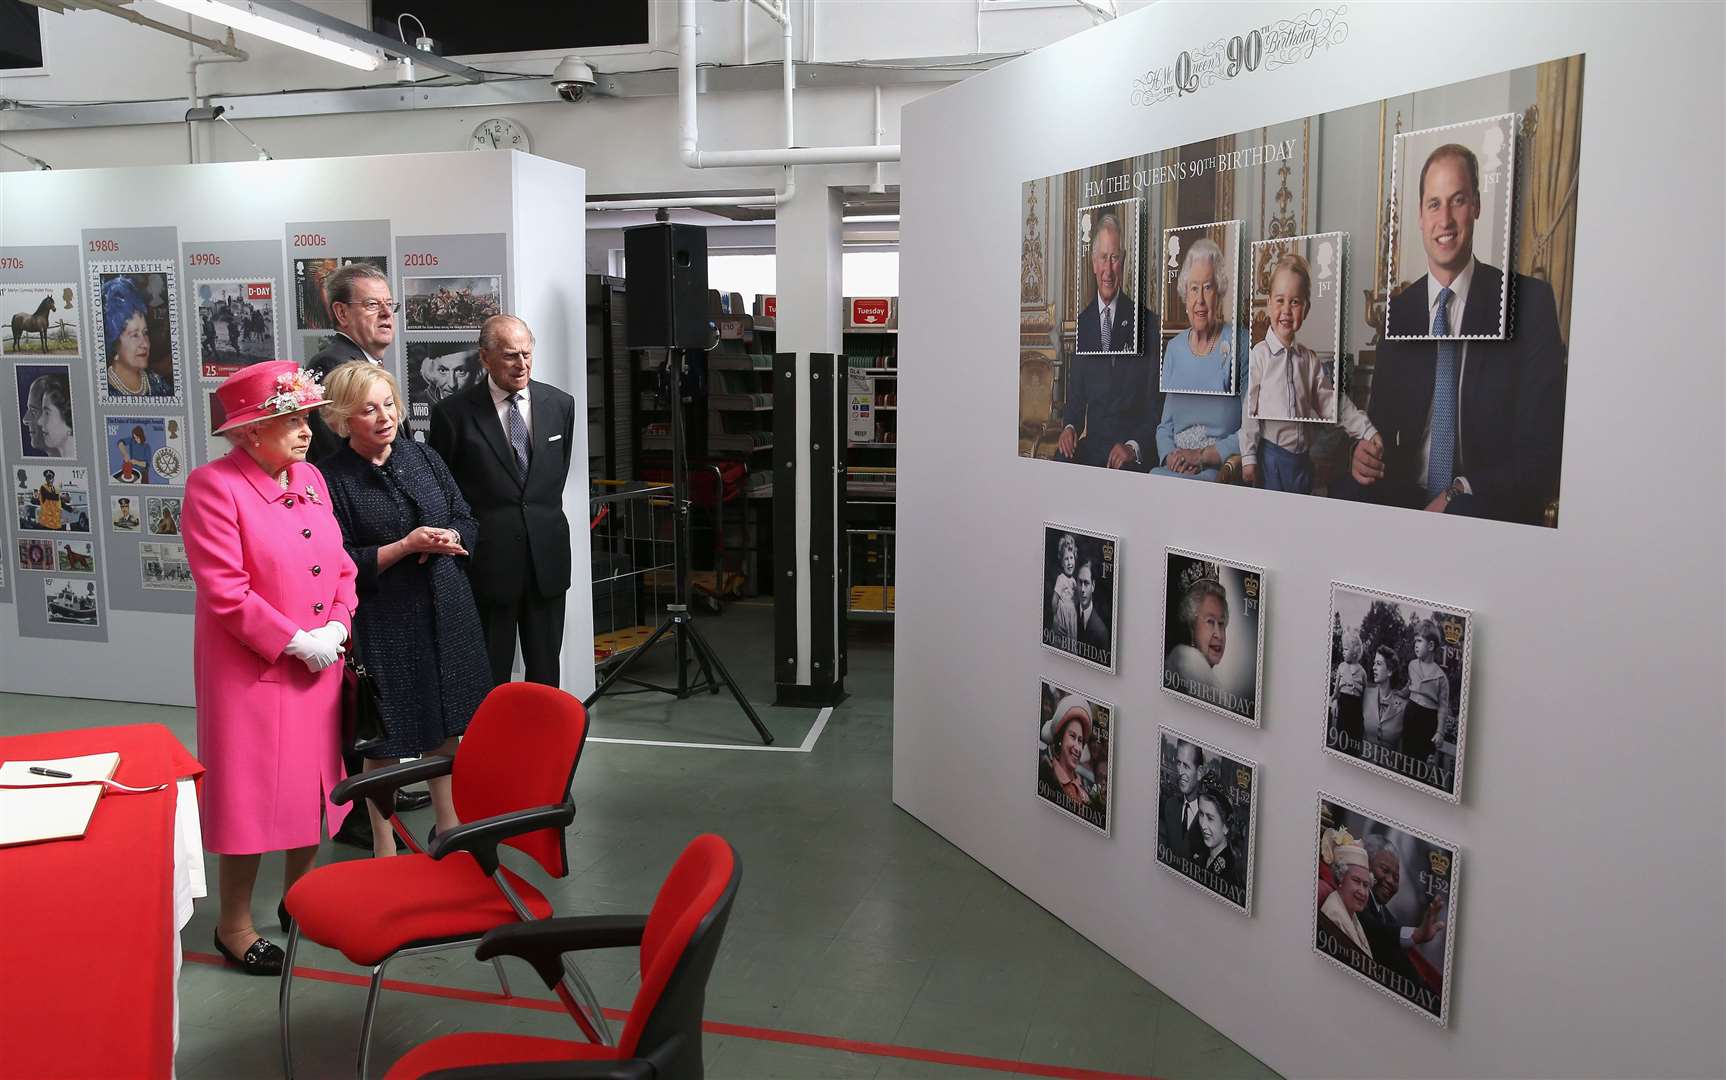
column 573, row 79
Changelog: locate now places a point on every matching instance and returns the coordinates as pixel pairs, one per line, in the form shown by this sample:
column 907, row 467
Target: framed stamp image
column 1075, row 754
column 138, row 313
column 1203, row 343
column 451, row 303
column 164, row 567
column 124, row 513
column 47, row 417
column 35, row 554
column 1107, row 284
column 1207, row 817
column 52, row 498
column 1450, row 225
column 437, row 369
column 1397, row 687
column 1297, row 286
column 75, row 556
column 40, row 320
column 71, row 601
column 236, row 324
column 161, row 515
column 146, row 449
column 1213, row 633
column 1384, row 905
column 1081, row 594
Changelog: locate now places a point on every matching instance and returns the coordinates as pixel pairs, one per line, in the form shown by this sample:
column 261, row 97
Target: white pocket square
column 554, row 438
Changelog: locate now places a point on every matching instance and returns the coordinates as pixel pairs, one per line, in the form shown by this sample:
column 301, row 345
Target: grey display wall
column 138, row 290
column 1588, row 935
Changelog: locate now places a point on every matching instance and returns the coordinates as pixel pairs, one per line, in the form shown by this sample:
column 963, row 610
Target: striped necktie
column 1441, row 463
column 1104, row 320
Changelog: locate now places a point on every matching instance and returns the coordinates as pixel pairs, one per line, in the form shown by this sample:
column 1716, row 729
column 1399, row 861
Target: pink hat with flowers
column 268, row 390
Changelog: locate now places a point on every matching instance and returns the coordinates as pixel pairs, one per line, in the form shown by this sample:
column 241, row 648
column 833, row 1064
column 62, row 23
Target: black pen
column 53, row 773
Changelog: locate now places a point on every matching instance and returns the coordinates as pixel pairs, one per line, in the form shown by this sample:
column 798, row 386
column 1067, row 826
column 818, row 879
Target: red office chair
column 510, row 779
column 662, row 1036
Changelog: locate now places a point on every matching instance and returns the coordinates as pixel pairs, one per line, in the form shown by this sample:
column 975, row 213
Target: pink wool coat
column 267, row 562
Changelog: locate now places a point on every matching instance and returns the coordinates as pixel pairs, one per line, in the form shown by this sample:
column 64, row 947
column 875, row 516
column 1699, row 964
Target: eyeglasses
column 374, row 307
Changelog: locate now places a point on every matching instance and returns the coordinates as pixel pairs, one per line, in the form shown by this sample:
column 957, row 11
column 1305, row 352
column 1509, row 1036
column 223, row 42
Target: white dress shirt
column 500, row 399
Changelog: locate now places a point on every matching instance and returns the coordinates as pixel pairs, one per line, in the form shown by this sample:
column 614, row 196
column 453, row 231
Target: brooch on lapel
column 312, row 495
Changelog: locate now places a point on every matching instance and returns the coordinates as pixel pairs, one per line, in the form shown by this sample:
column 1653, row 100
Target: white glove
column 331, row 633
column 316, row 653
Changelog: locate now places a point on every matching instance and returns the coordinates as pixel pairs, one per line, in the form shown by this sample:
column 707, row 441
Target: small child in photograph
column 1063, row 608
column 1286, row 380
column 1350, row 690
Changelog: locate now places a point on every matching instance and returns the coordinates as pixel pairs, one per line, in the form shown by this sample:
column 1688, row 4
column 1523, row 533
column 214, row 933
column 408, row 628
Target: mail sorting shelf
column 634, row 560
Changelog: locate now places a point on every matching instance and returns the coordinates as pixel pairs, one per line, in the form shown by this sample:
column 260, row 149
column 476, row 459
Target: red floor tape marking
column 715, row 1027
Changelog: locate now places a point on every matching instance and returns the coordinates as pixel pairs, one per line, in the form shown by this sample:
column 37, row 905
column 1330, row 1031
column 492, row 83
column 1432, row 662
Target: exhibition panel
column 127, row 295
column 1314, row 252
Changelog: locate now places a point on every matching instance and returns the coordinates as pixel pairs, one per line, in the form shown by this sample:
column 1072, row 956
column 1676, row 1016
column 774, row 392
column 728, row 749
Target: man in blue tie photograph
column 1469, row 421
column 507, row 441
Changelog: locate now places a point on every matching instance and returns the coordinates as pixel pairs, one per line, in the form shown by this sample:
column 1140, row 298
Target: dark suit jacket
column 1182, row 843
column 523, row 535
column 1113, row 397
column 1093, row 631
column 324, row 441
column 1120, row 333
column 1511, row 401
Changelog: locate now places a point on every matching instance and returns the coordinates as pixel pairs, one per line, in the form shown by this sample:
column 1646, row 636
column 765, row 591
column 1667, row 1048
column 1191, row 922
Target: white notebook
column 91, row 768
column 30, row 815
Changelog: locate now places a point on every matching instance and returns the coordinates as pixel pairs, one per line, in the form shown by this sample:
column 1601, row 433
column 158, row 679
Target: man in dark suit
column 359, row 300
column 1464, row 427
column 1178, row 822
column 1093, row 631
column 1113, row 403
column 507, row 440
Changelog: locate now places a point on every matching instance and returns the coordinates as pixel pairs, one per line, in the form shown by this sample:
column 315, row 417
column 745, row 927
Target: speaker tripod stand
column 678, row 621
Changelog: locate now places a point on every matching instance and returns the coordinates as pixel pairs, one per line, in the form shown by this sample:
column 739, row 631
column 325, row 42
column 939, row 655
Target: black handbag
column 362, row 716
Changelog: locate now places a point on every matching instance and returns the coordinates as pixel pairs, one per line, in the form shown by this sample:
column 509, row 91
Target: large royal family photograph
column 1398, row 678
column 1075, row 747
column 1384, row 899
column 1371, row 304
column 1081, row 594
column 1207, row 816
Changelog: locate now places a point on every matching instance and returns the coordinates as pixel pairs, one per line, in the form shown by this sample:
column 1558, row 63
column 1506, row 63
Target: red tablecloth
column 87, row 926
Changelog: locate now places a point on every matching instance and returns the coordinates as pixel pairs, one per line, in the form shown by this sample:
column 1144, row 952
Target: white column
column 809, row 242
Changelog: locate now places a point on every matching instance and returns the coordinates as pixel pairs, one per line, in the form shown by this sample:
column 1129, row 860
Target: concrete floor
column 854, row 922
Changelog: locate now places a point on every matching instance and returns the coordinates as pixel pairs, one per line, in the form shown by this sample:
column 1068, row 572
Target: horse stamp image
column 39, row 320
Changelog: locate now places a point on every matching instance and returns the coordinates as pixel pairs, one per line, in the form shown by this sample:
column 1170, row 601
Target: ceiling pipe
column 689, row 144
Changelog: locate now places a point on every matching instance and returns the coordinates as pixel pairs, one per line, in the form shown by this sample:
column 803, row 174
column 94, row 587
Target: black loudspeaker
column 665, row 272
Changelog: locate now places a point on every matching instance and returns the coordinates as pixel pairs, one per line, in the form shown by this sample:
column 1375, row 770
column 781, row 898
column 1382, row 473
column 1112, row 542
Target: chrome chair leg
column 589, row 1001
column 502, row 979
column 285, row 992
column 371, row 1015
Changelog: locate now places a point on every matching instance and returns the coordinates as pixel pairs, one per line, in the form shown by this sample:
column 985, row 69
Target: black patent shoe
column 407, row 801
column 283, row 918
column 262, row 958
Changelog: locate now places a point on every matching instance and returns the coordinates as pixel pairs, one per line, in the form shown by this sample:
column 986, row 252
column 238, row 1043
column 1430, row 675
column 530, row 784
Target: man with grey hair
column 1112, row 401
column 359, row 300
column 508, row 440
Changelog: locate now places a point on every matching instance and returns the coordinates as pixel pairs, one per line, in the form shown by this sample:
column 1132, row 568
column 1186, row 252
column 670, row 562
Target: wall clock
column 500, row 133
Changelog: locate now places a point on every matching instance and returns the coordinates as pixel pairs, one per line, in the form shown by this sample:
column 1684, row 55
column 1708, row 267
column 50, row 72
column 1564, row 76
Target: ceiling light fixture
column 249, row 17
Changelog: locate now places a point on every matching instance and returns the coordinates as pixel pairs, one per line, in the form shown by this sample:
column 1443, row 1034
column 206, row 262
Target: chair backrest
column 677, row 953
column 520, row 751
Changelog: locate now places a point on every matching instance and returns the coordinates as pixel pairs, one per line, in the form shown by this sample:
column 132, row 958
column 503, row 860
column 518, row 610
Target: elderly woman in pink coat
column 275, row 598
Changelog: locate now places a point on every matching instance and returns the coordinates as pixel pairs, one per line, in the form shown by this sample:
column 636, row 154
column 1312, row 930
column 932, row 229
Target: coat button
column 316, row 570
column 307, row 533
column 289, row 501
column 317, row 609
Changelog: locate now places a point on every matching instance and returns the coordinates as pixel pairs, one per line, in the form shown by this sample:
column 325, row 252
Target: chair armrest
column 543, row 942
column 481, row 838
column 625, row 1069
column 380, row 784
